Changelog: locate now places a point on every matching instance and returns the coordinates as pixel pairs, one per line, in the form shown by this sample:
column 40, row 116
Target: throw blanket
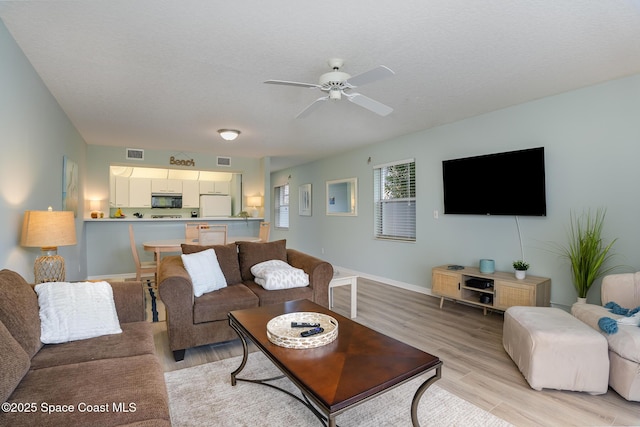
column 610, row 326
column 276, row 274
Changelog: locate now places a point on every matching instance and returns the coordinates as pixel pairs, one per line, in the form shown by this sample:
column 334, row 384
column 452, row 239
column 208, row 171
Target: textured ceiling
column 167, row 74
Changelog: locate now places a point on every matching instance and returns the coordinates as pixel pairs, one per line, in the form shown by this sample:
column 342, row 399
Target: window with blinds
column 394, row 195
column 281, row 206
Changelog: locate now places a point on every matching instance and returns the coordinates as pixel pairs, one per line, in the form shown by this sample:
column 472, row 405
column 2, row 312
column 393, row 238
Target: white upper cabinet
column 215, row 187
column 120, row 196
column 139, row 192
column 166, row 186
column 190, row 194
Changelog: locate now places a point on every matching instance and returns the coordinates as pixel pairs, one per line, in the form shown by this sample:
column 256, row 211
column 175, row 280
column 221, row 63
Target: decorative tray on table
column 280, row 332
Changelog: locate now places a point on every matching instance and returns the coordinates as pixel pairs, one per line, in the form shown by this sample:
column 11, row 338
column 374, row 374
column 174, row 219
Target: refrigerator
column 212, row 205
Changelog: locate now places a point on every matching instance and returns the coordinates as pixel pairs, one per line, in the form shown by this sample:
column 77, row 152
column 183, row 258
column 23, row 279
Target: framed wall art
column 304, row 208
column 70, row 186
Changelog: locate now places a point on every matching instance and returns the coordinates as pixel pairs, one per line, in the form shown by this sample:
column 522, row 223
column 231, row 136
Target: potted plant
column 521, row 268
column 586, row 250
column 245, row 215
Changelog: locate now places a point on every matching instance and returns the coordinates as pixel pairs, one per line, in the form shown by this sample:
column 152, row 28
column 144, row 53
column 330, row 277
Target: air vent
column 224, row 161
column 135, row 154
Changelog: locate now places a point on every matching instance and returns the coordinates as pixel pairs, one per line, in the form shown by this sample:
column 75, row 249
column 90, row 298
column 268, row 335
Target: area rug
column 203, row 396
column 154, row 308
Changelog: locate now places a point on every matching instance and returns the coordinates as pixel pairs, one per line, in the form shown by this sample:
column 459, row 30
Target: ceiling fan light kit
column 228, row 134
column 337, row 83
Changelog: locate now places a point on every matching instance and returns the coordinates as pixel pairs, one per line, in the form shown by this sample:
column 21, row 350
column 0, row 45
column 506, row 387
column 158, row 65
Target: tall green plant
column 586, row 251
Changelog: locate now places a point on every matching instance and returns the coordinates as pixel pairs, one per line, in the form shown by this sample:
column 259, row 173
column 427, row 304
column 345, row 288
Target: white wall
column 35, row 134
column 592, row 142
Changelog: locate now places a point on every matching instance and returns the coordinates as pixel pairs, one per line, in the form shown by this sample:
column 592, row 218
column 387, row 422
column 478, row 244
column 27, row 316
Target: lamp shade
column 48, row 229
column 254, row 201
column 94, row 205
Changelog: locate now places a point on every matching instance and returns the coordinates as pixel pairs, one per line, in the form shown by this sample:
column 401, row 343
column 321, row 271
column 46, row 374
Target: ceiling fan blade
column 311, row 107
column 286, row 83
column 370, row 104
column 378, row 73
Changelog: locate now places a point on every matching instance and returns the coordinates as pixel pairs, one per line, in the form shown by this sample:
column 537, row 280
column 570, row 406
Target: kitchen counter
column 145, row 218
column 109, row 250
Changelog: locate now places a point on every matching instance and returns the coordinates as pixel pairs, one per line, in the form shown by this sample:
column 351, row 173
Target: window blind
column 281, row 206
column 394, row 187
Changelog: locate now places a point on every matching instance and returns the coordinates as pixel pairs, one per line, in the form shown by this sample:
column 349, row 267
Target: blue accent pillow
column 608, row 325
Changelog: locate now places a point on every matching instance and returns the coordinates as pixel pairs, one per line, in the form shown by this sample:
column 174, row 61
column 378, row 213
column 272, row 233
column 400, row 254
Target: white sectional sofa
column 624, row 345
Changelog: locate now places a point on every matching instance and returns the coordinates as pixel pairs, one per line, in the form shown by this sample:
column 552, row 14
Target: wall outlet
column 436, row 214
column 322, row 250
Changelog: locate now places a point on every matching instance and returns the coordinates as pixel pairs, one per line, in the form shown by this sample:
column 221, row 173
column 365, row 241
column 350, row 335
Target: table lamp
column 94, row 206
column 255, row 202
column 48, row 230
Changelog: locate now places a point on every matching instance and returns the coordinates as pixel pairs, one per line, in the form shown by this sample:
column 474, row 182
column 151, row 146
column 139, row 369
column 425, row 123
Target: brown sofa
column 104, row 381
column 194, row 321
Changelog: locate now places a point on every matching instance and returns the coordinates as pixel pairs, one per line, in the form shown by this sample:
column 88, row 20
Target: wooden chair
column 191, row 231
column 212, row 235
column 265, row 228
column 145, row 269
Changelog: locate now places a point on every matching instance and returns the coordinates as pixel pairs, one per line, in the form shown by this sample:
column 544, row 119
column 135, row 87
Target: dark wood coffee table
column 357, row 366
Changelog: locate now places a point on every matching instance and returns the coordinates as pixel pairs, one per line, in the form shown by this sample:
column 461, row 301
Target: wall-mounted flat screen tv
column 510, row 183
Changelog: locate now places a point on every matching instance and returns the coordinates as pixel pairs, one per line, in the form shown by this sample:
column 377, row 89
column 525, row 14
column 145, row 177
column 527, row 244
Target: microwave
column 166, row 201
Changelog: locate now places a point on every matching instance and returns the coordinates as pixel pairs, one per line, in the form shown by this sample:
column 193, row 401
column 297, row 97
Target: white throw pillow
column 275, row 274
column 204, row 269
column 76, row 311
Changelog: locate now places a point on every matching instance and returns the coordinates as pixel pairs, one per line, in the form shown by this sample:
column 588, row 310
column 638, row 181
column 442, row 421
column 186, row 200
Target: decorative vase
column 521, row 274
column 487, row 266
column 582, row 300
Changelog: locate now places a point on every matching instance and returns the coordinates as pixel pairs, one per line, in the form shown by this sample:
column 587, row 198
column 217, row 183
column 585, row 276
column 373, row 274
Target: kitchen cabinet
column 190, row 194
column 139, row 192
column 215, row 187
column 112, row 190
column 166, row 186
column 119, row 196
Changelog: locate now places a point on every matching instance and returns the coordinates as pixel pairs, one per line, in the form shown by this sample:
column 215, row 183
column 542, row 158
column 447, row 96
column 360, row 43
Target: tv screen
column 510, row 183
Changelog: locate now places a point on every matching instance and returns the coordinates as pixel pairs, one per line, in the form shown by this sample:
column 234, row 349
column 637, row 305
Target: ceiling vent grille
column 223, row 161
column 135, row 154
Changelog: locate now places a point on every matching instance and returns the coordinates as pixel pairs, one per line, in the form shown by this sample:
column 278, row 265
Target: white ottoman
column 555, row 350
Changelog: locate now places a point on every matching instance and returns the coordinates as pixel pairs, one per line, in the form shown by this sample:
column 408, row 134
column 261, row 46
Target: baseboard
column 384, row 280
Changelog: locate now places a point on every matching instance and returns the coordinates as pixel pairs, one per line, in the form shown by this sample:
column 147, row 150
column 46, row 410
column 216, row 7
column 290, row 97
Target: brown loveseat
column 194, row 321
column 104, row 381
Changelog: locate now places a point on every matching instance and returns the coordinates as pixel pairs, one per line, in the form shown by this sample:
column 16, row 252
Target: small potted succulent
column 521, row 268
column 245, row 215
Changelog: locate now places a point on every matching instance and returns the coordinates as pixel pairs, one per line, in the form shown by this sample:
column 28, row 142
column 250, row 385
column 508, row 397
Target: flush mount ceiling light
column 228, row 134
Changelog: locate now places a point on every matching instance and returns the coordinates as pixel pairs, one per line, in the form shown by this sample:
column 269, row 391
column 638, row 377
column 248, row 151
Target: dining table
column 158, row 247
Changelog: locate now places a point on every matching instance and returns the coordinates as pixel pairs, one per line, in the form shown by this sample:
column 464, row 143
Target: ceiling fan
column 337, row 84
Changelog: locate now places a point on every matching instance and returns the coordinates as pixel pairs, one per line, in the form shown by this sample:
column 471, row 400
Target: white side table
column 342, row 280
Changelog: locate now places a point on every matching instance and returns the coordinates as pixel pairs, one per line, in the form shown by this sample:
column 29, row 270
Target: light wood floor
column 476, row 367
